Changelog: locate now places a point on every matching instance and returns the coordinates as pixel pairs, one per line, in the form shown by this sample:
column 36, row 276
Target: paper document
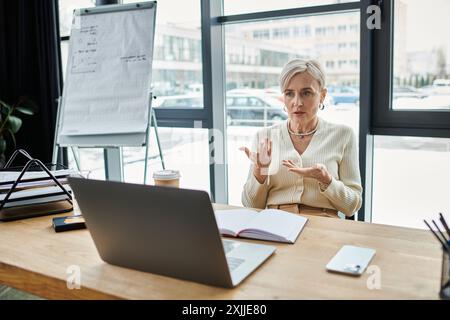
column 33, row 184
column 34, row 193
column 11, row 176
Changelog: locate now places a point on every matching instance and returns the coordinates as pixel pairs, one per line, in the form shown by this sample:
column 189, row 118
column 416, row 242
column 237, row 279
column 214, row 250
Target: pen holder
column 445, row 276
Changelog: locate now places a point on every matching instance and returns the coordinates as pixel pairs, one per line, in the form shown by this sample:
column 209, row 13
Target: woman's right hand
column 261, row 159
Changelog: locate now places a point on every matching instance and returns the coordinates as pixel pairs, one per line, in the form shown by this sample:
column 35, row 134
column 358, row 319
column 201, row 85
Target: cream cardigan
column 334, row 146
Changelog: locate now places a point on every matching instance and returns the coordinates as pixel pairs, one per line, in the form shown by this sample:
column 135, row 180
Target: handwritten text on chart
column 141, row 57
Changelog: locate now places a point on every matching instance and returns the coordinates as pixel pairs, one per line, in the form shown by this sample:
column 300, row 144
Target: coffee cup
column 167, row 178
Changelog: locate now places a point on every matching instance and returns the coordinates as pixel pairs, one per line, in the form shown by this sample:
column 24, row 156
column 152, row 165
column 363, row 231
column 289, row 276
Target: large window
column 410, row 101
column 177, row 64
column 411, row 72
column 421, row 56
column 410, row 180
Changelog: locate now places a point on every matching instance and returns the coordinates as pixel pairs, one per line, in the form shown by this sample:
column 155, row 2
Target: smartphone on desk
column 351, row 260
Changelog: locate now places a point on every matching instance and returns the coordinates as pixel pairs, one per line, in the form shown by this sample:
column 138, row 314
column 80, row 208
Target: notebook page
column 234, row 220
column 283, row 224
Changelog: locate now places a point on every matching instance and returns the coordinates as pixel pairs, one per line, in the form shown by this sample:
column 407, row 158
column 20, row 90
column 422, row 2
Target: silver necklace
column 301, row 135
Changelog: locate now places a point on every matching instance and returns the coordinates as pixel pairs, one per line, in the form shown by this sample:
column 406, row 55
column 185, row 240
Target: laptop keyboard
column 228, row 246
column 233, row 262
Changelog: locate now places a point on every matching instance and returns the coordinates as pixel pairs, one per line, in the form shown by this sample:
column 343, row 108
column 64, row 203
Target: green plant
column 10, row 123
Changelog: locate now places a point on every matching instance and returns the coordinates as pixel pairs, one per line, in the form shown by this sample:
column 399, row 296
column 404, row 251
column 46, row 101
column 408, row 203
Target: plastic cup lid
column 166, row 174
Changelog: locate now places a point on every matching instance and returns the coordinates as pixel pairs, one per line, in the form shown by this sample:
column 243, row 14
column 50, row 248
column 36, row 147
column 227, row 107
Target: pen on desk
column 437, row 237
column 444, row 223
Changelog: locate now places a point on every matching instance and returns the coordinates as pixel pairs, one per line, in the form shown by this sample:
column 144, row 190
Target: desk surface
column 34, row 258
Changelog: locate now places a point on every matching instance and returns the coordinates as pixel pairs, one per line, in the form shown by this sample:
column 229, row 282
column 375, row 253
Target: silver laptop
column 163, row 230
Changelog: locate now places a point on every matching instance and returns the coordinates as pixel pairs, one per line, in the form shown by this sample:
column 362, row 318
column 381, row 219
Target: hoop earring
column 322, row 106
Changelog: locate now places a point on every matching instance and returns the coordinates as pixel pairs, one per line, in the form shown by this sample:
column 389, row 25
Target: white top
column 333, row 145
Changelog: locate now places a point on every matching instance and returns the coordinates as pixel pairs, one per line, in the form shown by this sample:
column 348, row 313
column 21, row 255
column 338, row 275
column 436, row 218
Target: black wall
column 30, row 66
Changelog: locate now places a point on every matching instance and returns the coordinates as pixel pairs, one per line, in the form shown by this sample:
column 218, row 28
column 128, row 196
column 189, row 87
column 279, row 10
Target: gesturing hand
column 317, row 171
column 261, row 158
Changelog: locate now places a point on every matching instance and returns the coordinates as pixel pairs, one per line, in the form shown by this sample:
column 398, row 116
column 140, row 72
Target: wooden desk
column 34, row 258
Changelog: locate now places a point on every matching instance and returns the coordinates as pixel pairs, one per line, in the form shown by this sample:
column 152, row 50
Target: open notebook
column 268, row 224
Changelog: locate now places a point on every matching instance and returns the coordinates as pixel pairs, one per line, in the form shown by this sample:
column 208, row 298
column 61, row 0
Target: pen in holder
column 444, row 240
column 445, row 276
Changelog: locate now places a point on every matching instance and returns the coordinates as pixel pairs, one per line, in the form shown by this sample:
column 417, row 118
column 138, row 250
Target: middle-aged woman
column 304, row 165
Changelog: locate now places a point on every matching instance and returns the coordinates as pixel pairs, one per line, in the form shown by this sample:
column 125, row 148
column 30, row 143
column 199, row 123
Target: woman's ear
column 323, row 94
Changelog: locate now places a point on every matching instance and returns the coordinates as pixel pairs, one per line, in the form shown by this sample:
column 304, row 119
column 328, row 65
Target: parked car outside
column 343, row 94
column 243, row 106
column 253, row 107
column 428, row 90
column 442, row 86
column 437, row 102
column 193, row 100
column 274, row 92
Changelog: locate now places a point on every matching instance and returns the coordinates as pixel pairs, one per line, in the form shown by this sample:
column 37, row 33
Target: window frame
column 385, row 120
column 366, row 140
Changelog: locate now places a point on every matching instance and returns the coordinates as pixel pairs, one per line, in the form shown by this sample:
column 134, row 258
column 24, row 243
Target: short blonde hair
column 296, row 66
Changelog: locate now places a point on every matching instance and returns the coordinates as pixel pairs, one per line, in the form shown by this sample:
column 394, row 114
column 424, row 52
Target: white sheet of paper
column 11, row 176
column 35, row 192
column 279, row 222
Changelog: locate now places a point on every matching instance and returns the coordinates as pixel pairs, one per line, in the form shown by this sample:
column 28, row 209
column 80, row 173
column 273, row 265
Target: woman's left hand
column 318, row 171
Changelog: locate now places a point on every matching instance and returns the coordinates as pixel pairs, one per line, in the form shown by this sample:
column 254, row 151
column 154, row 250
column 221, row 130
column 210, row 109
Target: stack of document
column 33, row 179
column 35, row 194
